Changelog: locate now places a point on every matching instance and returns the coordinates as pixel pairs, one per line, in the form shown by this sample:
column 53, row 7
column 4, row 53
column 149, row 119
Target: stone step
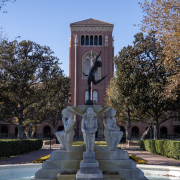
column 113, row 155
column 98, row 176
column 45, row 179
column 61, row 164
column 99, row 155
column 125, row 173
column 66, row 155
column 118, row 177
column 52, row 173
column 89, row 168
column 116, row 164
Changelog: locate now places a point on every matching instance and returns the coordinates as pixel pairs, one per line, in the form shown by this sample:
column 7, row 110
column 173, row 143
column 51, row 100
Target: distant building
column 88, row 37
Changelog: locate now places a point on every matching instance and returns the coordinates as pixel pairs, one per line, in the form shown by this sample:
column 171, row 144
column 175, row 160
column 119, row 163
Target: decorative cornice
column 92, row 28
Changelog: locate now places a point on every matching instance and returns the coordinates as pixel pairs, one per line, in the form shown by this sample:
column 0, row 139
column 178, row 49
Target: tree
column 153, row 101
column 163, row 17
column 141, row 78
column 122, row 92
column 30, row 77
column 52, row 112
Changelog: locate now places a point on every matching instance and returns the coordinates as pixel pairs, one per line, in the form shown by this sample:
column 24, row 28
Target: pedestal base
column 89, row 168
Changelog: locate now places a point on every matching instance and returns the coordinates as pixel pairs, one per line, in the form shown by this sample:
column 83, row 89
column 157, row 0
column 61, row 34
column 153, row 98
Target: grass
column 98, row 143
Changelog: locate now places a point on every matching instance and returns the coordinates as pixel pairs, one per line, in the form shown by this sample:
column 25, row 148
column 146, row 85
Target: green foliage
column 32, row 84
column 167, row 148
column 15, row 147
column 137, row 92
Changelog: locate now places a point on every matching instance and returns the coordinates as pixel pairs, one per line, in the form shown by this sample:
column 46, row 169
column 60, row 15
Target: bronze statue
column 91, row 77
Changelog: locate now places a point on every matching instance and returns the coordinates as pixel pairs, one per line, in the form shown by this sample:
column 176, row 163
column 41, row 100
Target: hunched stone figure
column 66, row 136
column 89, row 127
column 112, row 132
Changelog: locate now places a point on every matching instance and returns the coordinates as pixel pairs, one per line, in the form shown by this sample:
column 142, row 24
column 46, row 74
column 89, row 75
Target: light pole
column 31, row 124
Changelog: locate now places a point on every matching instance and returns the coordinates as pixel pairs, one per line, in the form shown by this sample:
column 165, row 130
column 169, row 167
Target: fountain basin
column 27, row 171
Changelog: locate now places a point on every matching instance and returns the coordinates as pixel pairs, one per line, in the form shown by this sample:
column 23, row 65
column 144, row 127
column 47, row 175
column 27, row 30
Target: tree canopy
column 30, row 78
column 163, row 17
column 140, row 83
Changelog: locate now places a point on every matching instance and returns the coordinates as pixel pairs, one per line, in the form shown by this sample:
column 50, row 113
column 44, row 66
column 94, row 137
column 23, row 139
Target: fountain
column 88, row 161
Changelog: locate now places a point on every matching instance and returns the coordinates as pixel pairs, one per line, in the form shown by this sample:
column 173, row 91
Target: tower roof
column 90, row 22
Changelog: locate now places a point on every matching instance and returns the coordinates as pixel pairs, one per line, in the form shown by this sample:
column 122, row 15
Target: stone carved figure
column 91, row 77
column 112, row 132
column 66, row 136
column 89, row 127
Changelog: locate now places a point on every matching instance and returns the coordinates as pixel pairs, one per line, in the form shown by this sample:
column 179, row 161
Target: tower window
column 95, row 40
column 87, row 40
column 100, row 40
column 87, row 66
column 95, row 97
column 91, row 40
column 82, row 40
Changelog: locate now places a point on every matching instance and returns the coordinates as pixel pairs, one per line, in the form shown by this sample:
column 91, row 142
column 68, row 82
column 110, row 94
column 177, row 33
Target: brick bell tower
column 88, row 37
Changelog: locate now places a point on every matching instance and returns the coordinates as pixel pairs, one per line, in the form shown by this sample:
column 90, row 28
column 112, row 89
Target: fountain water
column 26, row 172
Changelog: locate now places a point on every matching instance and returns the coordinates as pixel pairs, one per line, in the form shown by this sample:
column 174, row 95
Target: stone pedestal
column 89, row 168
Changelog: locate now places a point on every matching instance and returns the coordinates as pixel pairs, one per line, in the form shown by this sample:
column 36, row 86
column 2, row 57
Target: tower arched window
column 82, row 40
column 87, row 40
column 95, row 97
column 91, row 40
column 86, row 96
column 100, row 40
column 95, row 40
column 87, row 67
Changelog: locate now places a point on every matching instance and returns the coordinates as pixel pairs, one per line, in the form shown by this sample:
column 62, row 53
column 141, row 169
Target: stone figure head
column 90, row 113
column 111, row 113
column 67, row 113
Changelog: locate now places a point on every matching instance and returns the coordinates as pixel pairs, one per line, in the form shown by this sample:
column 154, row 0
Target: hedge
column 15, row 147
column 167, row 148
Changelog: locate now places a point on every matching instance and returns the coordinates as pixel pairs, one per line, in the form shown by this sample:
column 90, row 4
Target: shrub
column 141, row 144
column 15, row 147
column 167, row 148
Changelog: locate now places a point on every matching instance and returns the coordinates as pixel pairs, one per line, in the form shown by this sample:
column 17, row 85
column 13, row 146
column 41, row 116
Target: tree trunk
column 32, row 134
column 156, row 131
column 54, row 129
column 145, row 133
column 27, row 133
column 20, row 130
column 20, row 119
column 128, row 126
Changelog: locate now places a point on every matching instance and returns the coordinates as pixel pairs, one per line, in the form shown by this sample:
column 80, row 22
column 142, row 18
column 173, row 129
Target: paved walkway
column 26, row 158
column 151, row 159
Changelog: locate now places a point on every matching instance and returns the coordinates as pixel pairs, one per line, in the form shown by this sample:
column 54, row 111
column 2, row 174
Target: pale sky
column 46, row 22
